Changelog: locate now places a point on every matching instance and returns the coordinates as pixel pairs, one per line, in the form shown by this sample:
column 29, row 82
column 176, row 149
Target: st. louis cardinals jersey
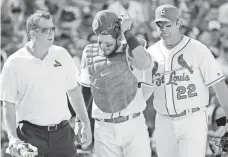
column 182, row 75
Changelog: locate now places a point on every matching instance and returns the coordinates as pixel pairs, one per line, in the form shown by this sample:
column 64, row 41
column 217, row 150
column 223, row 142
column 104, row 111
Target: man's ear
column 32, row 34
column 179, row 23
column 143, row 42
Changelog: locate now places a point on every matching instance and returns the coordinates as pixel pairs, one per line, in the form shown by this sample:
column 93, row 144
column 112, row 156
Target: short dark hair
column 116, row 35
column 33, row 20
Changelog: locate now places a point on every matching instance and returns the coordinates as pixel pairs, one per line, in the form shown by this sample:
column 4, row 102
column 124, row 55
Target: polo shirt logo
column 57, row 64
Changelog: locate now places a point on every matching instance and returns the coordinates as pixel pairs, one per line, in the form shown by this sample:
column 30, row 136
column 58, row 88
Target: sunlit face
column 45, row 33
column 107, row 44
column 166, row 29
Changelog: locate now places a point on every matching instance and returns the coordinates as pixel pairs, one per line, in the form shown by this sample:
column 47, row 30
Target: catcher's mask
column 219, row 145
column 107, row 22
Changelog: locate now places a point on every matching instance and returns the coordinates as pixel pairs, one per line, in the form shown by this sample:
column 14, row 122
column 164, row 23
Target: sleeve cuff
column 73, row 86
column 215, row 81
column 8, row 100
column 83, row 84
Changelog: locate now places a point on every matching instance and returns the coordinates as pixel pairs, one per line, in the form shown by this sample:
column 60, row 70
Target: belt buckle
column 50, row 126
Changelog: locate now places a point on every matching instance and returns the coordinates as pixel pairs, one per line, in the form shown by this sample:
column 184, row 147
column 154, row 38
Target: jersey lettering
column 181, row 92
column 158, row 79
column 173, row 78
column 191, row 90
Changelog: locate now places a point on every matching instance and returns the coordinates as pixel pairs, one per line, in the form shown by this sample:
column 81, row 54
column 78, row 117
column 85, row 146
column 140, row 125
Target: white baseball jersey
column 182, row 75
column 38, row 87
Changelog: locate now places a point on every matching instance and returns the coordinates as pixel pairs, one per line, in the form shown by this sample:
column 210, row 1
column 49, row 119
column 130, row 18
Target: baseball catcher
column 113, row 70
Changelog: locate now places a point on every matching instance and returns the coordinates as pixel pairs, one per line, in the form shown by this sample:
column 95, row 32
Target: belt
column 185, row 112
column 49, row 128
column 119, row 119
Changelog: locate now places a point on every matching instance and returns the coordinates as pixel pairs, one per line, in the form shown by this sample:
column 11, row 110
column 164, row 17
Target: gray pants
column 59, row 143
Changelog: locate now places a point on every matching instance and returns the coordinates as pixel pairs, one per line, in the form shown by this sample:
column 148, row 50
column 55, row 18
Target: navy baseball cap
column 102, row 20
column 166, row 12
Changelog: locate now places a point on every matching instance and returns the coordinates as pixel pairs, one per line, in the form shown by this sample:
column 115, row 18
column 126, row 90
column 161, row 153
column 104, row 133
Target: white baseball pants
column 126, row 139
column 184, row 136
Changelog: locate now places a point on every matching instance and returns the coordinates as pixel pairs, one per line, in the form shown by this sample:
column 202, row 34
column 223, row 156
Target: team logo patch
column 57, row 64
column 163, row 12
column 183, row 63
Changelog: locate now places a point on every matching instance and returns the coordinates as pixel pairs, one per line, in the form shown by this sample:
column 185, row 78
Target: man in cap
column 183, row 71
column 112, row 69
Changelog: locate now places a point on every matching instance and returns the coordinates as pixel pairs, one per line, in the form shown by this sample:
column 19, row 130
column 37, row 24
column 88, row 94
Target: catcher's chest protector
column 113, row 84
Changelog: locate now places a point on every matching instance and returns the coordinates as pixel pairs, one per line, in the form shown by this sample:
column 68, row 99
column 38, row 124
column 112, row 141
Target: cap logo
column 112, row 29
column 163, row 12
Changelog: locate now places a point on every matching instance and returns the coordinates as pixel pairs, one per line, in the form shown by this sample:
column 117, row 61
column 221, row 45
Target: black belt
column 119, row 119
column 185, row 112
column 50, row 128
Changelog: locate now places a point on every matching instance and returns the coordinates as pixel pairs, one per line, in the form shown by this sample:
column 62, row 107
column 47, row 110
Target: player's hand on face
column 126, row 22
column 86, row 136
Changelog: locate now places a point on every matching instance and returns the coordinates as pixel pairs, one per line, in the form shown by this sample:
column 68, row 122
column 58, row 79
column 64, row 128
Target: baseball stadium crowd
column 73, row 20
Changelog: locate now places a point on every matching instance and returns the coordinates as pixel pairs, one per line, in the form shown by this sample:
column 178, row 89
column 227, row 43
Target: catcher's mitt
column 22, row 150
column 219, row 145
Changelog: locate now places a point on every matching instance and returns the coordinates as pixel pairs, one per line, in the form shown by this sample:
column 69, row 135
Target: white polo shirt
column 38, row 87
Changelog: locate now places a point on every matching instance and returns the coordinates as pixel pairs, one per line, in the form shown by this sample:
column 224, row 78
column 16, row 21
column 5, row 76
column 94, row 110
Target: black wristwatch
column 221, row 121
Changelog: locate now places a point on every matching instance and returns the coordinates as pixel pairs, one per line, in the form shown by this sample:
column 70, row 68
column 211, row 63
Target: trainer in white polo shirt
column 41, row 85
column 34, row 85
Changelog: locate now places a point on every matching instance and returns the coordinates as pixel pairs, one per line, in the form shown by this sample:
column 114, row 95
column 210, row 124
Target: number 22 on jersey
column 186, row 92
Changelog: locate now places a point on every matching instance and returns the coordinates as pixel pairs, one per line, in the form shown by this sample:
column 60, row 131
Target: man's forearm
column 77, row 102
column 9, row 117
column 221, row 91
column 137, row 51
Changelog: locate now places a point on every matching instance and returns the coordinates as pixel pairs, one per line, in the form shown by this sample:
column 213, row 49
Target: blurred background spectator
column 205, row 20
